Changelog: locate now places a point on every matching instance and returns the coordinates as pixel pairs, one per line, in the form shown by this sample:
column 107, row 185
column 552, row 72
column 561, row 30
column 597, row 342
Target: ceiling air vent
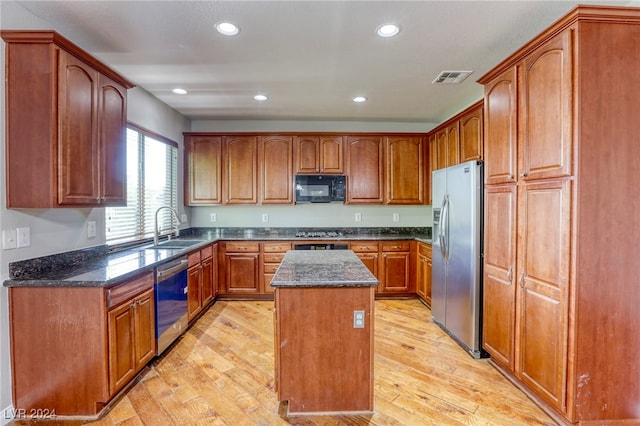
column 451, row 77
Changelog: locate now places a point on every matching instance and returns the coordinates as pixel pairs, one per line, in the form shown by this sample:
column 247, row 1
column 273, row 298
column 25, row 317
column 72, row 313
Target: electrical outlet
column 358, row 319
column 358, row 217
column 213, row 217
column 23, row 237
column 91, row 229
column 184, row 218
column 396, row 217
column 265, row 217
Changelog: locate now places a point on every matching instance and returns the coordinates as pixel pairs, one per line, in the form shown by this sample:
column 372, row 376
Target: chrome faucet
column 155, row 229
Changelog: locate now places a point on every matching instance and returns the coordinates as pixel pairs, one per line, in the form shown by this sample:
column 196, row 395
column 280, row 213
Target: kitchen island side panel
column 324, row 363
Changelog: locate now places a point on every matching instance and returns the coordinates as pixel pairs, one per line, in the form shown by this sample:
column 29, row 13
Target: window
column 152, row 182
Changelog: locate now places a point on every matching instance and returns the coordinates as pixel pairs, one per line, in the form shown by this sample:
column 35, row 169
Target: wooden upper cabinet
column 203, row 170
column 545, row 110
column 276, row 169
column 365, row 168
column 66, row 119
column 319, row 154
column 405, row 170
column 471, row 135
column 240, row 169
column 453, row 143
column 500, row 128
column 442, row 151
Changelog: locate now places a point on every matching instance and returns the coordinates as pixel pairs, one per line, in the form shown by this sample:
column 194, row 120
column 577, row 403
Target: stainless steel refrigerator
column 457, row 253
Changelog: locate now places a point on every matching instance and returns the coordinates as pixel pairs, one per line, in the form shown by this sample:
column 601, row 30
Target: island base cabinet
column 323, row 363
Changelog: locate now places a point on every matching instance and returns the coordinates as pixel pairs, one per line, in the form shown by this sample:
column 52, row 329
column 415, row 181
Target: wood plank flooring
column 221, row 373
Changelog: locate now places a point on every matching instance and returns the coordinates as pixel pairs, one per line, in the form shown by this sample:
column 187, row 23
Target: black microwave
column 320, row 188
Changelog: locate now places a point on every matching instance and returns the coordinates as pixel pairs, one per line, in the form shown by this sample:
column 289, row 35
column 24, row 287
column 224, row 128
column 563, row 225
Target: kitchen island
column 324, row 332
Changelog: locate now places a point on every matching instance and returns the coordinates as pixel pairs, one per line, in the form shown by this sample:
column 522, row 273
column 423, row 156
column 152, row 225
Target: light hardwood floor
column 221, row 373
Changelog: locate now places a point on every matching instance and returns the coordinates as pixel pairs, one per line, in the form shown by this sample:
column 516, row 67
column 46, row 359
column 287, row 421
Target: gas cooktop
column 318, row 234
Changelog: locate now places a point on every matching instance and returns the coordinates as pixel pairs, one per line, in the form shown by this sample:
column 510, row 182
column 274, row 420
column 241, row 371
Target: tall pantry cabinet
column 561, row 285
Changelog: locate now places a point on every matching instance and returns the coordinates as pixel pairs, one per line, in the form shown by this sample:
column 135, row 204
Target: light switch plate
column 265, row 217
column 23, row 237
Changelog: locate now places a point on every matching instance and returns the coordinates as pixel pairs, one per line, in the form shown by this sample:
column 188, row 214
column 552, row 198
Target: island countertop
column 322, row 268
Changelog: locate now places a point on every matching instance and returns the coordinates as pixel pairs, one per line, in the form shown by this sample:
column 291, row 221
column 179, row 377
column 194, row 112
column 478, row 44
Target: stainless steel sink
column 175, row 244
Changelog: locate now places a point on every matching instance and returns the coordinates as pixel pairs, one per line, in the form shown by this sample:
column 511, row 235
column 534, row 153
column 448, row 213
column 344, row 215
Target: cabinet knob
column 510, row 177
column 523, row 174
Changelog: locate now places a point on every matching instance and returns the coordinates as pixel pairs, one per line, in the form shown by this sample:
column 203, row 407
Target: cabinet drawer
column 364, row 247
column 193, row 258
column 270, row 268
column 276, row 247
column 424, row 250
column 273, row 257
column 242, row 247
column 396, row 246
column 128, row 289
column 205, row 253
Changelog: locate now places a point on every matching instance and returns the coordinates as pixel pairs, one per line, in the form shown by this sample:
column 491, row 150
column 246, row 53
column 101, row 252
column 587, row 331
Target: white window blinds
column 152, row 182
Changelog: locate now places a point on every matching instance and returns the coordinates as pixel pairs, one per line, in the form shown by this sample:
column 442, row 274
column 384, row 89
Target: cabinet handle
column 523, row 174
column 510, row 177
column 521, row 280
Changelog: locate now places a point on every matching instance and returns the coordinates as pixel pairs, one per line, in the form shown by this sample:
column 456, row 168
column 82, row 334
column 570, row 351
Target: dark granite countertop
column 320, row 268
column 100, row 267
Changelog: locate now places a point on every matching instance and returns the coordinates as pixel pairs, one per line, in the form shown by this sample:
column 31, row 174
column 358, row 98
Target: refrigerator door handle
column 444, row 226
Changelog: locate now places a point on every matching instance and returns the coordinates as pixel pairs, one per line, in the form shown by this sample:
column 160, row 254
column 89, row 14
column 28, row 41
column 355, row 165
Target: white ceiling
column 309, row 57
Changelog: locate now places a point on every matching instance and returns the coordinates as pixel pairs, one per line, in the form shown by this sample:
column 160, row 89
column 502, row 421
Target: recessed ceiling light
column 388, row 30
column 179, row 91
column 227, row 28
column 260, row 97
column 359, row 99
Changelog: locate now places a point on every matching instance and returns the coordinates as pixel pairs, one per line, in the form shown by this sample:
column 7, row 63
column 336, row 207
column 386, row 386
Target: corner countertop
column 322, row 268
column 100, row 267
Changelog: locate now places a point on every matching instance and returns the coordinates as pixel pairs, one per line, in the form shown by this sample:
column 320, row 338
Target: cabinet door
column 546, row 114
column 78, row 150
column 113, row 142
column 240, row 170
column 395, row 271
column 453, row 143
column 405, row 170
column 194, row 291
column 207, row 281
column 500, row 128
column 145, row 321
column 471, row 136
column 365, row 170
column 433, row 164
column 543, row 275
column 442, row 142
column 203, row 158
column 276, row 170
column 242, row 273
column 499, row 292
column 307, row 150
column 331, row 160
column 122, row 358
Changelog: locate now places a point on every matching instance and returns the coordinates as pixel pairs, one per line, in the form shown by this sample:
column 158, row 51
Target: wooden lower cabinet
column 396, row 268
column 99, row 340
column 194, row 285
column 272, row 255
column 132, row 342
column 241, row 268
column 368, row 252
column 423, row 272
